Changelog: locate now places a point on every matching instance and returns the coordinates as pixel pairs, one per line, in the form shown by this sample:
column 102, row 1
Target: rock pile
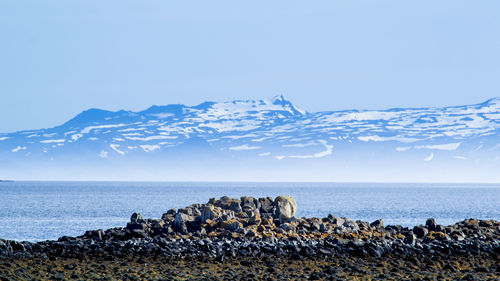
column 227, row 217
column 265, row 226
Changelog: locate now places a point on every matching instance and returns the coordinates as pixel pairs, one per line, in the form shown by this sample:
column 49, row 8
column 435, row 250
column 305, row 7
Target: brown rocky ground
column 247, row 268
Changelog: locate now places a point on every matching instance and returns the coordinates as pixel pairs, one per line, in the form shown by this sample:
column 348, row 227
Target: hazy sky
column 58, row 58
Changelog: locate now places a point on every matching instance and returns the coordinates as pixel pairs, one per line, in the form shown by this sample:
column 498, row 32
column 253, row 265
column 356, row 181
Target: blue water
column 36, row 211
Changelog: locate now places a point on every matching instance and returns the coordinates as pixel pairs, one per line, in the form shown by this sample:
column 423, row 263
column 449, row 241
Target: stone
column 324, row 228
column 437, row 235
column 255, row 219
column 458, row 235
column 378, row 223
column 337, row 221
column 431, row 224
column 242, row 215
column 410, row 238
column 249, row 202
column 136, row 218
column 138, row 233
column 235, row 207
column 266, row 205
column 157, row 223
column 471, row 223
column 286, row 226
column 190, row 211
column 141, row 226
column 315, row 225
column 350, row 226
column 95, row 234
column 225, row 202
column 285, row 206
column 484, row 223
column 225, row 224
column 235, row 226
column 207, row 213
column 420, row 231
column 440, row 228
column 179, row 224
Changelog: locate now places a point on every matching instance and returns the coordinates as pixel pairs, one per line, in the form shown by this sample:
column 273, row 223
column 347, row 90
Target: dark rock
column 266, row 205
column 141, row 226
column 136, row 218
column 235, row 207
column 249, row 204
column 235, row 226
column 420, row 231
column 410, row 238
column 431, row 224
column 378, row 223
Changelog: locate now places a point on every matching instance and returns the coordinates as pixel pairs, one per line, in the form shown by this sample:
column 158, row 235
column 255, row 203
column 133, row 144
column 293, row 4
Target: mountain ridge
column 271, row 134
column 158, row 108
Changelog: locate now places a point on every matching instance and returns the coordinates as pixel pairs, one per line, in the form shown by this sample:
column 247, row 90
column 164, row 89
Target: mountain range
column 263, row 140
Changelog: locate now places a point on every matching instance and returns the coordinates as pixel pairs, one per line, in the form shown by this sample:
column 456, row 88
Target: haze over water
column 37, row 211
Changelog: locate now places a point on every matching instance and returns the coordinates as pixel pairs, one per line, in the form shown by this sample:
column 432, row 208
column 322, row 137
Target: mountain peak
column 281, row 100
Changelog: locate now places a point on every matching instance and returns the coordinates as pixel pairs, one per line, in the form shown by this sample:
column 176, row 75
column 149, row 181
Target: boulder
column 431, row 224
column 337, row 221
column 437, row 235
column 235, row 226
column 350, row 226
column 255, row 219
column 207, row 213
column 235, row 207
column 190, row 211
column 224, row 202
column 169, row 215
column 420, row 231
column 284, row 206
column 266, row 205
column 141, row 226
column 180, row 220
column 324, row 228
column 410, row 238
column 249, row 205
column 378, row 223
column 136, row 218
column 286, row 226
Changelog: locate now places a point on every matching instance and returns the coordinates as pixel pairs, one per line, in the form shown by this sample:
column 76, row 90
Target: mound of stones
column 265, row 226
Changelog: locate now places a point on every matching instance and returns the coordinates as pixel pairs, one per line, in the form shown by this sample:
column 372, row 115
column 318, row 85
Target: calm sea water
column 36, row 211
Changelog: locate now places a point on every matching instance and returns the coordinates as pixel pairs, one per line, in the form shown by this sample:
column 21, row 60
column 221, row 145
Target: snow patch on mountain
column 447, row 146
column 149, row 148
column 244, row 147
column 53, row 141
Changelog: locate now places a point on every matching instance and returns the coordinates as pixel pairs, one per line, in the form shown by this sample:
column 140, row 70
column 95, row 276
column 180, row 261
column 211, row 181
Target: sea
column 42, row 210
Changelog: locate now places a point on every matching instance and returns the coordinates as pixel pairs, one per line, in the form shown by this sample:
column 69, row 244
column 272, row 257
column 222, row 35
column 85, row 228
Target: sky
column 58, row 58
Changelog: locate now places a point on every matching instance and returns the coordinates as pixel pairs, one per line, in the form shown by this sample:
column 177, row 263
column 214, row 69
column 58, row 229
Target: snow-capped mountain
column 263, row 140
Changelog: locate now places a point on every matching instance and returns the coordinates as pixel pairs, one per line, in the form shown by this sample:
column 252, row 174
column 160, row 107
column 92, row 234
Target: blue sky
column 58, row 58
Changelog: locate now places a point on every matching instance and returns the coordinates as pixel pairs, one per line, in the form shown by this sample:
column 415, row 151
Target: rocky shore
column 230, row 238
